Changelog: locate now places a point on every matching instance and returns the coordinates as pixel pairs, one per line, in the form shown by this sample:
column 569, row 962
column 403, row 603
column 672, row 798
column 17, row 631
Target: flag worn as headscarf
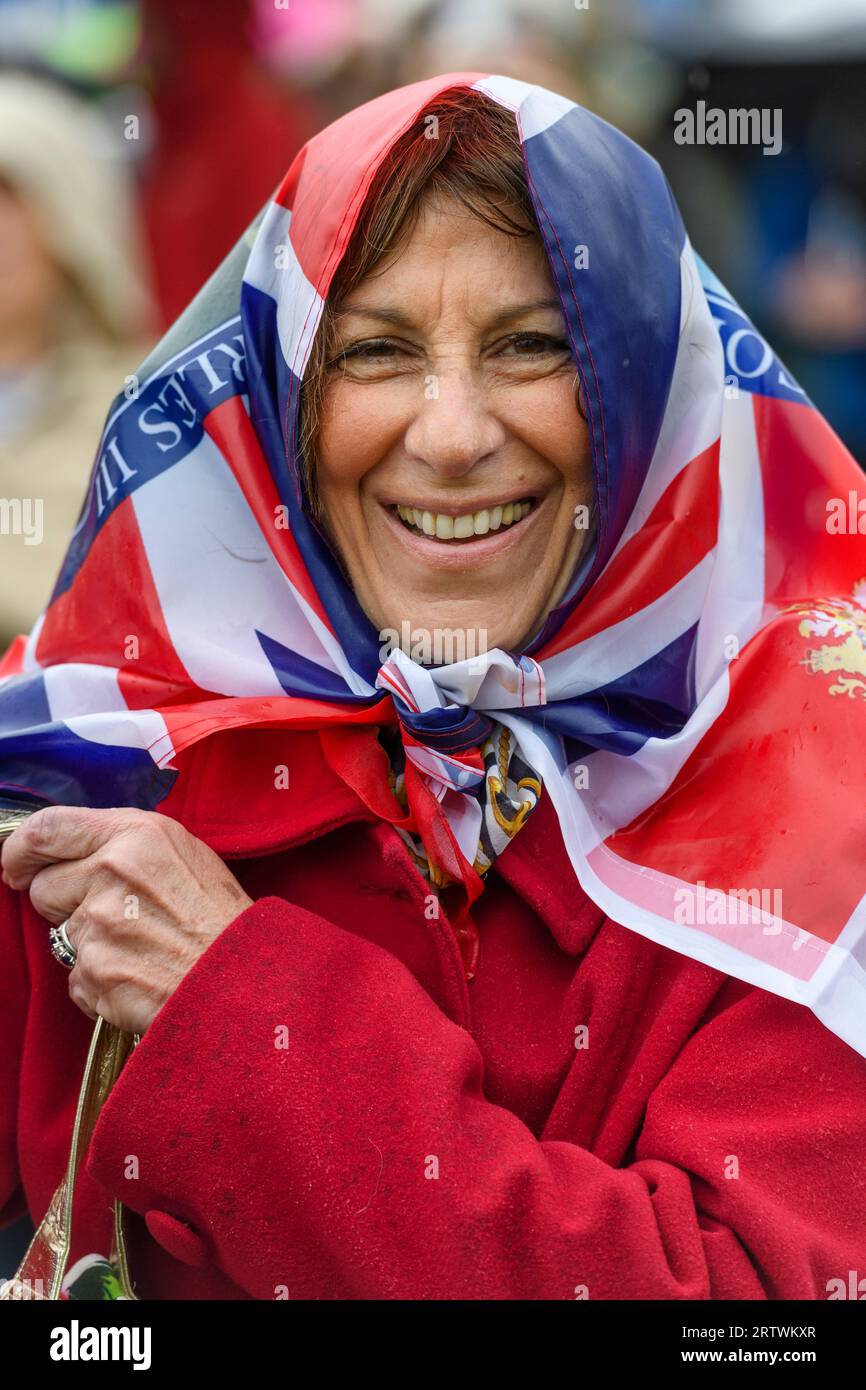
column 694, row 708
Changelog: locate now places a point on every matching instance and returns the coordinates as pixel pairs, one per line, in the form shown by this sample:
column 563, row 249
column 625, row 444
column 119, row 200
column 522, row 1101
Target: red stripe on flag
column 765, row 789
column 112, row 610
column 326, row 193
column 285, row 194
column 805, row 465
column 187, row 724
column 680, row 530
column 12, row 662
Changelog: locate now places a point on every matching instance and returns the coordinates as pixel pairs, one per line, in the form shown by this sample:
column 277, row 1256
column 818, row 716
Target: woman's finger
column 59, row 833
column 58, row 889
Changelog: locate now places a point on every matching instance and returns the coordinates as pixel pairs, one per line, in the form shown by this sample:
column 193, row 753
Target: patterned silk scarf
column 507, row 797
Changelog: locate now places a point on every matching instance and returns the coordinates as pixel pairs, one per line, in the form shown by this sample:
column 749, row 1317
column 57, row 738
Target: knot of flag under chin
column 444, row 720
column 445, row 713
column 443, row 710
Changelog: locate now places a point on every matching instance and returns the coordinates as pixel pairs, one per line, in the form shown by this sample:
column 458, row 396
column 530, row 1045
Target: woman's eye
column 372, row 350
column 534, row 345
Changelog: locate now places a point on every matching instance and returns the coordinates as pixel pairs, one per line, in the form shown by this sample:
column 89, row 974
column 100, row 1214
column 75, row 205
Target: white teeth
column 445, row 527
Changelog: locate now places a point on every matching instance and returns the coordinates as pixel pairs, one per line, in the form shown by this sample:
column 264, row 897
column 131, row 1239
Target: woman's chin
column 437, row 639
column 421, row 594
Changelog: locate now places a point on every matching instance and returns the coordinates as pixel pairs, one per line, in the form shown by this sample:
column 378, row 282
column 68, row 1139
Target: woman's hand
column 144, row 897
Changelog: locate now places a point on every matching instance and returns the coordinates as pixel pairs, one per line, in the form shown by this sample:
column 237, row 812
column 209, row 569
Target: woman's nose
column 454, row 425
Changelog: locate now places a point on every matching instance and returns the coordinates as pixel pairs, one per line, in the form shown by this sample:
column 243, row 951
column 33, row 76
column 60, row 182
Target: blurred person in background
column 537, row 42
column 224, row 133
column 73, row 320
column 787, row 234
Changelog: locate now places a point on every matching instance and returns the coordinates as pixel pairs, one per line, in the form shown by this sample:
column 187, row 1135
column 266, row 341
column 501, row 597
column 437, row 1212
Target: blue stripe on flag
column 302, row 677
column 750, row 362
column 150, row 434
column 24, row 702
column 653, row 700
column 54, row 764
column 614, row 239
column 272, row 385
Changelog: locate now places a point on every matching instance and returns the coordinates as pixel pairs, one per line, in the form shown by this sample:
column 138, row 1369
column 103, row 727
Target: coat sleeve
column 14, row 993
column 302, row 1103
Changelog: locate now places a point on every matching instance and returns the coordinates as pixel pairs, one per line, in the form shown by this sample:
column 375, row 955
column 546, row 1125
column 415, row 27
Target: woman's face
column 451, row 455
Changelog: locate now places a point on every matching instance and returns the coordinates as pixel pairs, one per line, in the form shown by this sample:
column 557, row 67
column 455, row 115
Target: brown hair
column 465, row 147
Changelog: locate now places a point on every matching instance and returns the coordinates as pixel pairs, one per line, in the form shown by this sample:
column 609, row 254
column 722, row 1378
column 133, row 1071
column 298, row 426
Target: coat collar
column 284, row 792
column 536, row 865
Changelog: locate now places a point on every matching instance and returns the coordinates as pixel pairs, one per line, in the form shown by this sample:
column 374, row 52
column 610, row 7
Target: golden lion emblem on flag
column 844, row 658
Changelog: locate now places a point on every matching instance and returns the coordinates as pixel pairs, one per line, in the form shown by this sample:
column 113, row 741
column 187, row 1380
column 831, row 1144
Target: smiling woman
column 442, row 441
column 436, row 978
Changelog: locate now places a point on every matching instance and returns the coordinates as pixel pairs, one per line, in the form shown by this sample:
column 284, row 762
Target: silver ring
column 62, row 948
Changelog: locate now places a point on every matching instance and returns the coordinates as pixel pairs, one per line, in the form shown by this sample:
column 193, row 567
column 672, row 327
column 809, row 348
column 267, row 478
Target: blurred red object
column 225, row 135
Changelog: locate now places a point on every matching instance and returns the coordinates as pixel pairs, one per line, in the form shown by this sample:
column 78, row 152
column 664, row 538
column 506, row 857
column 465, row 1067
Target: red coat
column 420, row 1137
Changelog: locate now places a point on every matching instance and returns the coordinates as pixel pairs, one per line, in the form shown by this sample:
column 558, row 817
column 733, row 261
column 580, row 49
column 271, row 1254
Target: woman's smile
column 460, row 537
column 454, row 524
column 452, row 455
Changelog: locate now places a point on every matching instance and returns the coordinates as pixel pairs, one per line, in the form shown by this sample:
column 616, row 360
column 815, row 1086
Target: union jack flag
column 695, row 706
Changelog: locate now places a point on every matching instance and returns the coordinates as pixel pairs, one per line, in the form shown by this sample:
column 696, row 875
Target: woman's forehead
column 450, row 251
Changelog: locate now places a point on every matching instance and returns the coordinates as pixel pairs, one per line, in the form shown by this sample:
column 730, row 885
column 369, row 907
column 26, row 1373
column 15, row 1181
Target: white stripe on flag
column 274, row 269
column 75, row 688
column 693, row 417
column 537, row 108
column 88, row 700
column 735, row 598
column 618, row 649
column 840, row 982
column 136, row 728
column 212, row 609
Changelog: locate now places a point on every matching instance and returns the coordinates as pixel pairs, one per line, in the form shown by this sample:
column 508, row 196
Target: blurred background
column 139, row 137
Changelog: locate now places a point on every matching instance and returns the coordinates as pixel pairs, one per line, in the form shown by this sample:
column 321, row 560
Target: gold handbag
column 40, row 1274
